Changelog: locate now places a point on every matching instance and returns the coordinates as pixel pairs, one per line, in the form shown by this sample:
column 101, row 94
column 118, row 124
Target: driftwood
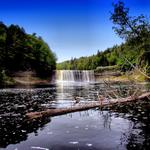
column 61, row 111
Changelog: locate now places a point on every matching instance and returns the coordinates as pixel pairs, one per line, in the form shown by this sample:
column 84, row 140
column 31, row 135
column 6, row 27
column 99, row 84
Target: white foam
column 39, row 148
column 88, row 144
column 74, row 142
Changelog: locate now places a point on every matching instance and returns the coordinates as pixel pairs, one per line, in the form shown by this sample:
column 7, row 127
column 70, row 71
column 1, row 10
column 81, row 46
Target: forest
column 135, row 50
column 20, row 51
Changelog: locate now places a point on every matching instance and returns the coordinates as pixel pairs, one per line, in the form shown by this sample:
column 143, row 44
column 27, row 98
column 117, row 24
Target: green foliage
column 20, row 51
column 136, row 32
column 135, row 29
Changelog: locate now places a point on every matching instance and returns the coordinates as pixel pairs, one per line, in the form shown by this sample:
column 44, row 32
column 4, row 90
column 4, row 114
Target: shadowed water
column 121, row 128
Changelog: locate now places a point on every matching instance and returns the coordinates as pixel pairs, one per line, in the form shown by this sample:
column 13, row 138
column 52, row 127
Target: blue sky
column 72, row 28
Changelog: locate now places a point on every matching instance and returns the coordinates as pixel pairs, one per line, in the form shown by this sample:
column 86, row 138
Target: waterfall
column 75, row 75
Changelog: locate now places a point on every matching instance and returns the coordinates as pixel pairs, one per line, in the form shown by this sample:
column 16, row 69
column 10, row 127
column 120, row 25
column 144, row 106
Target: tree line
column 136, row 47
column 20, row 51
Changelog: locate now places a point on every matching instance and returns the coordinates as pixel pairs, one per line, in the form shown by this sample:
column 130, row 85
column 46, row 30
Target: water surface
column 94, row 129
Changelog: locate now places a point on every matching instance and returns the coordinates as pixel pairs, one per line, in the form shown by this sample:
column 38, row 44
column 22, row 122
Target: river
column 95, row 129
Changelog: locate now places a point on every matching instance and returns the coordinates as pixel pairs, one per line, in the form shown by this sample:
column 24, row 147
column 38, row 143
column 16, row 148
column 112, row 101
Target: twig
column 136, row 68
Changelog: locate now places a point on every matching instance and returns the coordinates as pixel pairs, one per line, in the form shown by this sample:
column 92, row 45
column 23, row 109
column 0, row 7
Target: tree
column 20, row 51
column 3, row 34
column 135, row 31
column 128, row 27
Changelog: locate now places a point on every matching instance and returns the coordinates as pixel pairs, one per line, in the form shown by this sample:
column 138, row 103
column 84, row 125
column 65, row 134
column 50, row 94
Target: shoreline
column 28, row 79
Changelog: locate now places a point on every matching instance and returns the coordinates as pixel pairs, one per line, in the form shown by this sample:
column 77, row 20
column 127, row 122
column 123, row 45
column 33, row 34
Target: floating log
column 61, row 111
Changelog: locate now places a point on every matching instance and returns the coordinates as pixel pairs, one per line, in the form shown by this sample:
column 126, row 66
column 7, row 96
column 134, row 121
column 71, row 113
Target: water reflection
column 14, row 129
column 118, row 127
column 107, row 119
column 67, row 92
column 138, row 134
column 84, row 130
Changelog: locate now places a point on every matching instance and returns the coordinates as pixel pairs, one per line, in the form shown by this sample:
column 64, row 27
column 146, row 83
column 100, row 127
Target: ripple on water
column 49, row 133
column 39, row 148
column 74, row 142
column 89, row 144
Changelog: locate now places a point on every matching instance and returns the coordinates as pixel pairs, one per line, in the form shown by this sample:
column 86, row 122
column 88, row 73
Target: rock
column 16, row 106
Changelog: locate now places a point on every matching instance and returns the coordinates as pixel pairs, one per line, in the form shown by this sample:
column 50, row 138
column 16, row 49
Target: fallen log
column 61, row 111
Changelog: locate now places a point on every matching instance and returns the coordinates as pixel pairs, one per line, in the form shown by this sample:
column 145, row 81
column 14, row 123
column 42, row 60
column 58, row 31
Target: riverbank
column 26, row 78
column 30, row 81
column 118, row 76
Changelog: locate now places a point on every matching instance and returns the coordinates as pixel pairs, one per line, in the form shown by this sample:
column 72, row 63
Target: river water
column 95, row 129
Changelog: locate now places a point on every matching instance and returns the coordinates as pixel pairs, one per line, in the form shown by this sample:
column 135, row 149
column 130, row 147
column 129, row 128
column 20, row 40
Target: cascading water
column 75, row 75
